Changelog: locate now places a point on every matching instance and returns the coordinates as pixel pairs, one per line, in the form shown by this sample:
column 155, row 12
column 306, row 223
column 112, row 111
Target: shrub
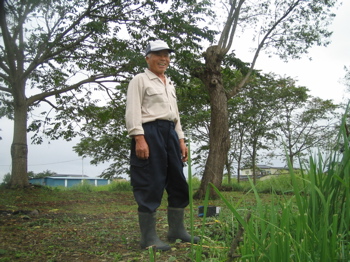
column 119, row 186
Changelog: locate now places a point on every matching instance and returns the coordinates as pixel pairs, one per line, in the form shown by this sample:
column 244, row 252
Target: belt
column 161, row 122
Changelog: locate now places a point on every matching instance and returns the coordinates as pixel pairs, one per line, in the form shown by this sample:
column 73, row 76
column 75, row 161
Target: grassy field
column 302, row 217
column 297, row 218
column 88, row 225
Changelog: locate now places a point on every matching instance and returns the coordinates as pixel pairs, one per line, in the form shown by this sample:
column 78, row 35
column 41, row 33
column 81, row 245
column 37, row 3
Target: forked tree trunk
column 219, row 139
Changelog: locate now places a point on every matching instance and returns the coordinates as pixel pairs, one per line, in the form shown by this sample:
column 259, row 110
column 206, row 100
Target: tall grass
column 85, row 186
column 191, row 183
column 280, row 184
column 311, row 225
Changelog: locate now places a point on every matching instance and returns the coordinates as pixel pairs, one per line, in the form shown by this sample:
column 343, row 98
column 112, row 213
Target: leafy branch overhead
column 54, row 51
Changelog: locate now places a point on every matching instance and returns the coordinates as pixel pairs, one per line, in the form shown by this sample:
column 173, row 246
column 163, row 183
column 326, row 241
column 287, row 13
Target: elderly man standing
column 158, row 149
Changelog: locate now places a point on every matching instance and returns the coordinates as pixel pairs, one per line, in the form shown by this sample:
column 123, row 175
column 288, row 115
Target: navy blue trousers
column 163, row 170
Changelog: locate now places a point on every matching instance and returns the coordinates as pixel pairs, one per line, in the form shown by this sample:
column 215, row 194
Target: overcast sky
column 322, row 76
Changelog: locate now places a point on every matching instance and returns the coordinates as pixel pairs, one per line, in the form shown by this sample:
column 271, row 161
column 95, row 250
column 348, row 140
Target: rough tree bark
column 19, row 148
column 17, row 79
column 219, row 137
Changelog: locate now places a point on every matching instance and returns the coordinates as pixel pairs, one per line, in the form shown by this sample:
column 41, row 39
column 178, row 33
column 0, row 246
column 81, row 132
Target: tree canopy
column 61, row 52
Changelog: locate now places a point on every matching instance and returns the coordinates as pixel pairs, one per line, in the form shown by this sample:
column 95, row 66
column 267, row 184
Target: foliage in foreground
column 311, row 225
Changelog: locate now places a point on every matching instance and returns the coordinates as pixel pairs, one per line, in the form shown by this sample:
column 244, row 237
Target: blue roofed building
column 68, row 180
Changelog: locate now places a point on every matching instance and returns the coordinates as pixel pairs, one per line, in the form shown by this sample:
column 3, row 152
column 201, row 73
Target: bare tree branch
column 5, row 68
column 229, row 31
column 5, row 89
column 225, row 32
column 47, row 101
column 44, row 95
column 106, row 89
column 260, row 46
column 8, row 40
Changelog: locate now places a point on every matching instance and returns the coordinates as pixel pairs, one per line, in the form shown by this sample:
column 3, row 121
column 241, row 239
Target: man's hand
column 184, row 150
column 142, row 150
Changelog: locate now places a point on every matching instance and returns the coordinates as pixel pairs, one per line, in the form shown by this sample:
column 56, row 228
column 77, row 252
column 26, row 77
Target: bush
column 6, row 179
column 85, row 186
column 281, row 184
column 119, row 186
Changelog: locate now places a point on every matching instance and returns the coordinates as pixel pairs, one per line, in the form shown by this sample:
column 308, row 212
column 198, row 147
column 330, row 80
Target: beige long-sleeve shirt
column 149, row 99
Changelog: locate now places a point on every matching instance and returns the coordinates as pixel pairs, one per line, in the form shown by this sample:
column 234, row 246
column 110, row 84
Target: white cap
column 157, row 45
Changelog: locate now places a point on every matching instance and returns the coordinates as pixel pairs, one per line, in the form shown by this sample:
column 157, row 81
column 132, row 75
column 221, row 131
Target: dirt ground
column 38, row 224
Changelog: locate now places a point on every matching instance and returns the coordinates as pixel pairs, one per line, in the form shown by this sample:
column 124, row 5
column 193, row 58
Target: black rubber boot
column 149, row 236
column 176, row 226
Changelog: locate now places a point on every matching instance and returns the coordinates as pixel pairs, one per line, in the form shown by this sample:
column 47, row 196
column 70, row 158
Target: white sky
column 322, row 76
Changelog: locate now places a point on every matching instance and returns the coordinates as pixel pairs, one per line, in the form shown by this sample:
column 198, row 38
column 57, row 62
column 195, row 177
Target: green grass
column 307, row 217
column 93, row 226
column 308, row 223
column 302, row 217
column 85, row 186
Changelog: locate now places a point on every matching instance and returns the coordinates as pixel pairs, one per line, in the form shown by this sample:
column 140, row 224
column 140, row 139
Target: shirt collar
column 152, row 75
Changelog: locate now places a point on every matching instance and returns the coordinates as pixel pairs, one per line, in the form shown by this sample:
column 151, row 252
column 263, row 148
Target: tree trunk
column 238, row 172
column 239, row 160
column 219, row 139
column 291, row 158
column 19, row 147
column 254, row 165
column 228, row 168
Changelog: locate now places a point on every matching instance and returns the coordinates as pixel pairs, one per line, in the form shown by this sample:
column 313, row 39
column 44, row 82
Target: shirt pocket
column 155, row 95
column 152, row 91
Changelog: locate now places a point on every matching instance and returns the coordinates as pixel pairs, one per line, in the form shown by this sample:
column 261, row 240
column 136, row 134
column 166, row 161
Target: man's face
column 158, row 61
